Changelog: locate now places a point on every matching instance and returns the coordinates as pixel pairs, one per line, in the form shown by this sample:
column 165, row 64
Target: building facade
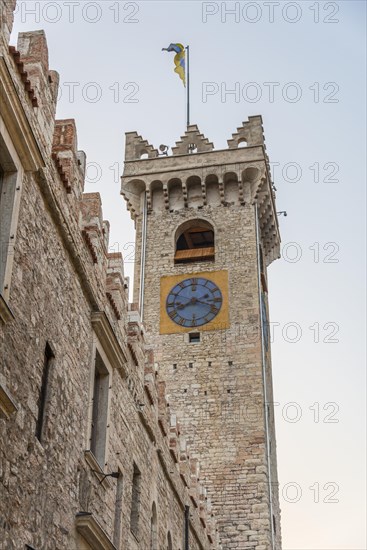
column 90, row 455
column 146, row 425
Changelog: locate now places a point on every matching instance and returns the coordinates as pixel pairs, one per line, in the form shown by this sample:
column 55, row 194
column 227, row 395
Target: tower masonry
column 206, row 232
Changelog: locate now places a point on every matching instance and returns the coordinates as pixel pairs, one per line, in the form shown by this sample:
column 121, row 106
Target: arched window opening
column 153, row 529
column 195, row 242
column 242, row 143
column 169, row 541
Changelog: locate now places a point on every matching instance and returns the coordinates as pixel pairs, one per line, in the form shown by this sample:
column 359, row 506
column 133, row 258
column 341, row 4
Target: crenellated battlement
column 251, row 133
column 192, row 141
column 136, row 147
column 7, row 8
column 196, row 177
column 37, row 84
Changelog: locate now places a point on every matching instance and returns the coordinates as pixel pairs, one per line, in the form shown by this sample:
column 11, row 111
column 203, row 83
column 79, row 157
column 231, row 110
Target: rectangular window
column 135, row 501
column 100, row 410
column 118, row 511
column 43, row 397
column 194, row 337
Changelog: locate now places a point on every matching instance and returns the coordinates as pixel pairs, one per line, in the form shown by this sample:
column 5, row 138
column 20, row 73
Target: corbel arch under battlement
column 175, row 194
column 195, row 194
column 231, row 188
column 252, row 178
column 132, row 190
column 212, row 192
column 156, row 198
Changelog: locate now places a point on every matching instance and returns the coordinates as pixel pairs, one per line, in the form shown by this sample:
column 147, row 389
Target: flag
column 179, row 60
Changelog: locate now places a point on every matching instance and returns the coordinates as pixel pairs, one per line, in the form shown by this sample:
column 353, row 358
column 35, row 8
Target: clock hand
column 193, row 300
column 181, row 305
column 205, row 303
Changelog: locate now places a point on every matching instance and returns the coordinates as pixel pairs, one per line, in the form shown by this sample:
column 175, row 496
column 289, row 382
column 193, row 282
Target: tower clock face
column 194, row 302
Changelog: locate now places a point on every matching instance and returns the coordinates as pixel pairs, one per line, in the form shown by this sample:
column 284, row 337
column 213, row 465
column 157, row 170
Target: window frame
column 11, row 181
column 98, row 354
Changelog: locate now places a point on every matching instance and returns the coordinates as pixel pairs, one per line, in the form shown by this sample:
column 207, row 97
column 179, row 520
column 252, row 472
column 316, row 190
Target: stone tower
column 206, row 231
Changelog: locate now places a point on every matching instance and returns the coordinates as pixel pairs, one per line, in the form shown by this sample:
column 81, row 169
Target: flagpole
column 188, row 84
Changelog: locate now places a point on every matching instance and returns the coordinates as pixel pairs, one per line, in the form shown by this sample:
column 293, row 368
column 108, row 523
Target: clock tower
column 206, row 232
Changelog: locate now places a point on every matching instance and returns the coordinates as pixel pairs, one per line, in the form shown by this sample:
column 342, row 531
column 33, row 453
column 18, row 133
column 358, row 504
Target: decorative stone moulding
column 106, row 335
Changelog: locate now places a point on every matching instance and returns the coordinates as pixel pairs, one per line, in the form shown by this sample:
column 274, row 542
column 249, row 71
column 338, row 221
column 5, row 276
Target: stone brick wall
column 65, row 290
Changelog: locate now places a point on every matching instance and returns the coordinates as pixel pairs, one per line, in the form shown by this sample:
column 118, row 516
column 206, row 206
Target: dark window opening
column 274, row 524
column 135, row 501
column 195, row 238
column 194, row 337
column 44, row 392
column 195, row 243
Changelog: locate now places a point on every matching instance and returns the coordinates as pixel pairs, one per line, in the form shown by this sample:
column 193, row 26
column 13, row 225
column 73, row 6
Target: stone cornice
column 138, row 168
column 17, row 123
column 111, row 346
column 92, row 532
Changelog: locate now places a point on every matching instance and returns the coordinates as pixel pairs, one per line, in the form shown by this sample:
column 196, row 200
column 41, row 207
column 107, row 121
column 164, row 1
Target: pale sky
column 301, row 65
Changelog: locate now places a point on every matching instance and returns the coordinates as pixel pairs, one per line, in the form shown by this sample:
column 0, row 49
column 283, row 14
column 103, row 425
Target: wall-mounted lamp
column 116, row 475
column 163, row 149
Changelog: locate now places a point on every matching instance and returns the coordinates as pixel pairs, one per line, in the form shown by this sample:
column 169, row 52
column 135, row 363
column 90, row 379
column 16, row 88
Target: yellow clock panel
column 194, row 301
